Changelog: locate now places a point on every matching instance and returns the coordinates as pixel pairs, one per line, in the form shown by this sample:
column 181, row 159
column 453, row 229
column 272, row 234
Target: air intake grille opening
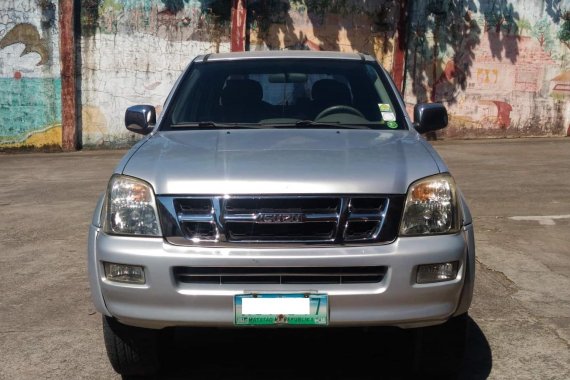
column 293, row 204
column 197, row 219
column 198, row 206
column 199, row 230
column 365, row 218
column 269, row 232
column 367, row 205
column 274, row 275
column 360, row 230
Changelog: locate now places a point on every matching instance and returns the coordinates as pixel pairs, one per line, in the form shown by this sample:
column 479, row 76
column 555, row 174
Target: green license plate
column 281, row 309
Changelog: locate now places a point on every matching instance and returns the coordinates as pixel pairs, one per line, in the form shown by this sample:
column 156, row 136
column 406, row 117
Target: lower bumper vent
column 278, row 275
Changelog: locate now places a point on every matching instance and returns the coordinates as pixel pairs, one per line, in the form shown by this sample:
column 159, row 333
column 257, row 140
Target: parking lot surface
column 519, row 193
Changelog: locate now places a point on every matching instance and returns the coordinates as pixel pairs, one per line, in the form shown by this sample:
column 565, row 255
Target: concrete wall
column 132, row 52
column 30, row 80
column 349, row 26
column 501, row 67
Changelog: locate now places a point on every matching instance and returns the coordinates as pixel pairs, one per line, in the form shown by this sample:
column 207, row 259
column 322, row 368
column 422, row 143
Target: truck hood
column 282, row 161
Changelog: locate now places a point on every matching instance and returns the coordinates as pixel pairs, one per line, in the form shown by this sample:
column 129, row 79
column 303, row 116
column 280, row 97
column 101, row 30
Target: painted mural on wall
column 30, row 99
column 345, row 25
column 501, row 67
column 132, row 52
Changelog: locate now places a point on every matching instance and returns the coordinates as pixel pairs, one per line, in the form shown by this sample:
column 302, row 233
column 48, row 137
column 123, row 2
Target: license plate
column 281, row 309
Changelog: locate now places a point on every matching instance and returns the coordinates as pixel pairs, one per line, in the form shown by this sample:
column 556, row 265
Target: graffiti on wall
column 30, row 114
column 30, row 100
column 349, row 26
column 28, row 35
column 500, row 69
column 132, row 52
column 175, row 20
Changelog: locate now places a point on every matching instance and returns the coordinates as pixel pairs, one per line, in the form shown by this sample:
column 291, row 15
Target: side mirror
column 429, row 117
column 140, row 119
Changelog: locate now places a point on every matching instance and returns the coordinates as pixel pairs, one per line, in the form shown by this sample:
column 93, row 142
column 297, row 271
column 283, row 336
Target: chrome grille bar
column 198, row 218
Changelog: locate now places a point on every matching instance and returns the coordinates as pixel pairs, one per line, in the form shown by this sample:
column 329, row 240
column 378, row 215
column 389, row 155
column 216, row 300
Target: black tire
column 132, row 351
column 439, row 350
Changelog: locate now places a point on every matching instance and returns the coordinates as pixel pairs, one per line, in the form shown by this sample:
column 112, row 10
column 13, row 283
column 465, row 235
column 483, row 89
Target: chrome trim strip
column 198, row 218
column 256, row 216
column 321, row 217
column 241, row 217
column 222, row 243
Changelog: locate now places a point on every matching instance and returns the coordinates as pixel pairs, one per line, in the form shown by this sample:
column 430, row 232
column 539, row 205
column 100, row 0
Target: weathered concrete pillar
column 68, row 90
column 400, row 49
column 239, row 15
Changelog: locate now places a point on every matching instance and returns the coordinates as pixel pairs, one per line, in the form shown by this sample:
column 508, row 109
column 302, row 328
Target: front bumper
column 396, row 301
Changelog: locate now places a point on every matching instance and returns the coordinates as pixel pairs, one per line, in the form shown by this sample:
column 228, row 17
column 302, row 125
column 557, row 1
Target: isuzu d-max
column 281, row 189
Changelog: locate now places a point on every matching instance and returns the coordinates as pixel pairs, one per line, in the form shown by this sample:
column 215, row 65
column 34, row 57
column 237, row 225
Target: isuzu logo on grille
column 280, row 218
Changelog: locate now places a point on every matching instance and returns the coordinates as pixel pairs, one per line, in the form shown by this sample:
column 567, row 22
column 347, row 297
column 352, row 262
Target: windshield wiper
column 214, row 125
column 318, row 124
column 298, row 124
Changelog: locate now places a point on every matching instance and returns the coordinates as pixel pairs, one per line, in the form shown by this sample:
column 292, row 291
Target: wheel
column 439, row 350
column 132, row 351
column 339, row 109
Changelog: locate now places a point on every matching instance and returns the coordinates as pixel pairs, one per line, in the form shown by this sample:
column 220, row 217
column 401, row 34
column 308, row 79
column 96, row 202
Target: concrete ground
column 520, row 328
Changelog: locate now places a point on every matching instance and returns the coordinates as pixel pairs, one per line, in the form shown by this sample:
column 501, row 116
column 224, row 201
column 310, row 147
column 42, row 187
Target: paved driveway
column 519, row 192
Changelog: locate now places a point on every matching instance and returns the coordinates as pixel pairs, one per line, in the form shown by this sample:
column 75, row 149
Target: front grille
column 252, row 231
column 280, row 219
column 278, row 275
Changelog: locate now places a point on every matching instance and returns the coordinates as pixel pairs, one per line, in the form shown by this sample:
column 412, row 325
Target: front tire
column 439, row 350
column 132, row 351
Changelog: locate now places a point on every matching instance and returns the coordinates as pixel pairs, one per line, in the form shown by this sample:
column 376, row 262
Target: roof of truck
column 283, row 54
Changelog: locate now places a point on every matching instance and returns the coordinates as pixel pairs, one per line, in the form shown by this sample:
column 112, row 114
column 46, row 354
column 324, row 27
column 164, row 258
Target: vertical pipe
column 68, row 93
column 400, row 52
column 435, row 58
column 239, row 15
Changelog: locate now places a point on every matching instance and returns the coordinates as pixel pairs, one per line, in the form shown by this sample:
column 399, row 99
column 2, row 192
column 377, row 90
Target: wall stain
column 47, row 18
column 89, row 17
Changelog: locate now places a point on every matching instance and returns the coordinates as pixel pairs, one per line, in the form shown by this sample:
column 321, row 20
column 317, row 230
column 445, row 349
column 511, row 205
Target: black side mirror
column 429, row 117
column 140, row 119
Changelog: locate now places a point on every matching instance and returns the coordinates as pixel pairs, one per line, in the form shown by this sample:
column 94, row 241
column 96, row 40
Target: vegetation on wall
column 89, row 17
column 564, row 33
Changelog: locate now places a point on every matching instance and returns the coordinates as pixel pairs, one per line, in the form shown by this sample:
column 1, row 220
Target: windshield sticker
column 392, row 124
column 388, row 116
column 384, row 107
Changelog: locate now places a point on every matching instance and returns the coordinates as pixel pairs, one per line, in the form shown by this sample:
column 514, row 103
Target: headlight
column 131, row 208
column 431, row 207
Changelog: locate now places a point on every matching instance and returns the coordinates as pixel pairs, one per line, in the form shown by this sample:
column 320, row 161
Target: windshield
column 274, row 93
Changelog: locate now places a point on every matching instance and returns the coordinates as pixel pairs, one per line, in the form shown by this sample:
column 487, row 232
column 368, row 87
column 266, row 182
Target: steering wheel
column 339, row 109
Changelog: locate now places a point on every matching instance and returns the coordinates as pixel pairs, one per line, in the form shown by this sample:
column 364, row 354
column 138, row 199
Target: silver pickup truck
column 282, row 189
